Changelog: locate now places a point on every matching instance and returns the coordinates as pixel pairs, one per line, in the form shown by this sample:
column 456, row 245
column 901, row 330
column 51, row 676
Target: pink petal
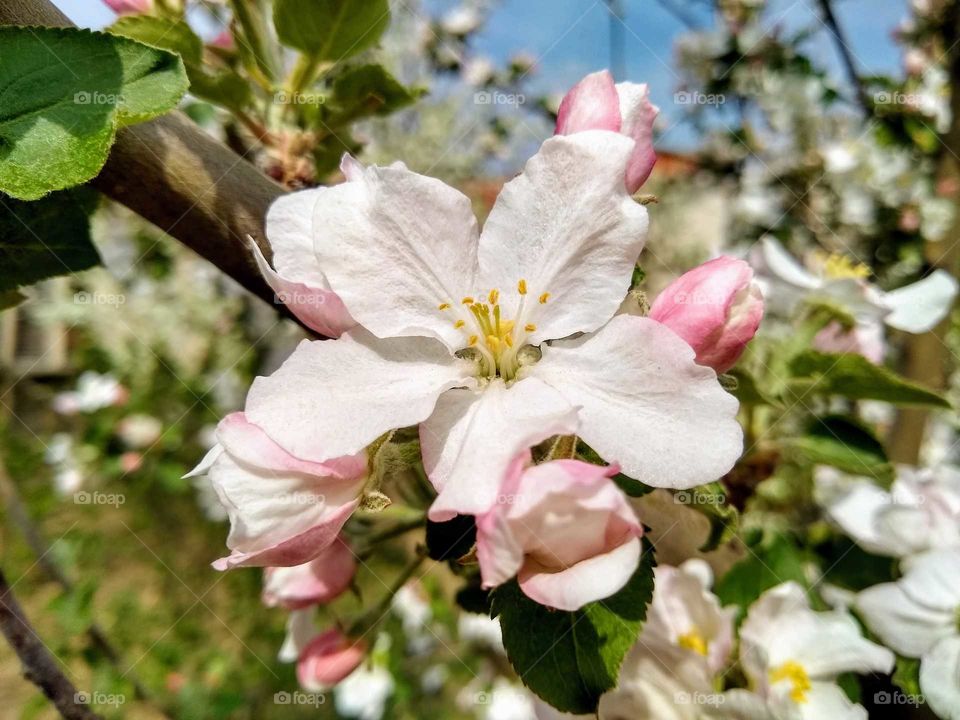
column 639, row 115
column 328, row 659
column 592, row 104
column 321, row 580
column 126, row 7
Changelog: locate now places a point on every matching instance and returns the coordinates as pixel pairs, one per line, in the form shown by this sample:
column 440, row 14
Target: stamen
column 467, row 300
column 494, row 296
column 444, row 306
column 508, row 339
column 522, row 287
column 530, row 327
column 459, row 324
column 544, row 298
column 473, row 340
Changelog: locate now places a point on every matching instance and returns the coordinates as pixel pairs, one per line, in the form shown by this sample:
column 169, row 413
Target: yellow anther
column 522, row 287
column 443, row 306
column 839, row 267
column 506, row 327
column 508, row 339
column 473, row 340
column 530, row 327
column 793, row 673
column 459, row 324
column 544, row 298
column 467, row 300
column 693, row 640
column 494, row 296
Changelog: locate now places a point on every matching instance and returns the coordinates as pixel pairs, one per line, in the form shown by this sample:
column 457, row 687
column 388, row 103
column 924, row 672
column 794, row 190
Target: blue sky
column 571, row 37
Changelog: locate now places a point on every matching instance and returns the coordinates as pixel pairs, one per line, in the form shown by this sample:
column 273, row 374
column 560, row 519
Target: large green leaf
column 225, row 88
column 853, row 376
column 330, row 30
column 764, row 567
column 45, row 238
column 368, row 90
column 571, row 658
column 845, row 444
column 64, row 92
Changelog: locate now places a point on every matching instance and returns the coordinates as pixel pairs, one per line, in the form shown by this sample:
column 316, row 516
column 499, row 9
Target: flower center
column 497, row 342
column 693, row 640
column 793, row 673
column 836, row 266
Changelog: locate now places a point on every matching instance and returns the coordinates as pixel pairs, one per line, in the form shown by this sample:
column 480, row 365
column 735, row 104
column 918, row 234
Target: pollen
column 544, row 298
column 837, row 266
column 459, row 324
column 522, row 287
column 793, row 673
column 530, row 327
column 443, row 306
column 494, row 296
column 693, row 640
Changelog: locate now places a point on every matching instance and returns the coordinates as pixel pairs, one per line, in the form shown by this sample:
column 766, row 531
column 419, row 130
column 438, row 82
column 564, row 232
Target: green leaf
column 64, row 93
column 45, row 238
column 330, row 30
column 571, row 658
column 765, row 566
column 844, row 444
column 745, row 388
column 227, row 88
column 711, row 501
column 853, row 376
column 906, row 675
column 368, row 90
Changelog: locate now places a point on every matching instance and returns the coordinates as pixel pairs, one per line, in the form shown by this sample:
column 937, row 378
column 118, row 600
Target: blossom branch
column 39, row 666
column 830, row 20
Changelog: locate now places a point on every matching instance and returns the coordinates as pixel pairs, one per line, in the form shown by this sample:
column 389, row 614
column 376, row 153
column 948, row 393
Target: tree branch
column 173, row 174
column 39, row 666
column 846, row 56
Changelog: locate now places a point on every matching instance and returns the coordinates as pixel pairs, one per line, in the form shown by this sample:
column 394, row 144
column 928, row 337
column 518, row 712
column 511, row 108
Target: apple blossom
column 920, row 512
column 456, row 324
column 596, row 103
column 283, row 510
column 328, row 659
column 716, row 308
column 127, row 7
column 316, row 582
column 364, row 693
column 793, row 655
column 564, row 529
column 914, row 308
column 865, row 338
column 919, row 617
column 301, row 629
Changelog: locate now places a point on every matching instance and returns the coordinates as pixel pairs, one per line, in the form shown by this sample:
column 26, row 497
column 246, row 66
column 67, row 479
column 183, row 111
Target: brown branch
column 39, row 666
column 846, row 56
column 176, row 176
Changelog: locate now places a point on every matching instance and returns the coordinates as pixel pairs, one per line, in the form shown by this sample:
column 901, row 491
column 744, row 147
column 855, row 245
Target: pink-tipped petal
column 592, row 104
column 316, row 582
column 328, row 659
column 639, row 115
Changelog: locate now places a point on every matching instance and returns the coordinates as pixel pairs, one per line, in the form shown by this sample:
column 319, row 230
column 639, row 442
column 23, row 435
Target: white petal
column 919, row 307
column 289, row 222
column 786, row 267
column 940, row 678
column 394, row 246
column 473, row 435
column 853, row 504
column 335, row 397
column 645, row 403
column 907, row 626
column 301, row 629
column 567, row 226
column 826, row 701
column 934, row 579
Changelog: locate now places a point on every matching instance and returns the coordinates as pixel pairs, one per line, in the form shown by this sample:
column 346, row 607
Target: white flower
column 914, row 308
column 792, row 656
column 919, row 617
column 508, row 702
column 94, row 392
column 301, row 629
column 462, row 20
column 480, row 630
column 921, row 511
column 454, row 324
column 364, row 693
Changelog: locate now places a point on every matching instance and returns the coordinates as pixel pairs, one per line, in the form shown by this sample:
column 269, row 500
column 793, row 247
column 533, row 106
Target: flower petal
column 919, row 307
column 591, row 104
column 289, row 225
column 333, row 398
column 940, row 678
column 589, row 580
column 567, row 227
column 825, row 700
column 786, row 267
column 900, row 622
column 638, row 115
column 316, row 582
column 644, row 401
column 396, row 246
column 473, row 435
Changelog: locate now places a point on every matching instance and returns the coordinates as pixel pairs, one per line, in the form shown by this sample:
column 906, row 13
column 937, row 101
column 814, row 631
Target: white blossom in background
column 920, row 511
column 412, row 606
column 480, row 630
column 919, row 617
column 364, row 693
column 93, row 392
column 60, row 455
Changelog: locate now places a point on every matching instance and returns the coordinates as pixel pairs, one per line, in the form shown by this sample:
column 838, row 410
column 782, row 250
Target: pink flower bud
column 129, row 7
column 316, row 582
column 328, row 659
column 715, row 307
column 596, row 103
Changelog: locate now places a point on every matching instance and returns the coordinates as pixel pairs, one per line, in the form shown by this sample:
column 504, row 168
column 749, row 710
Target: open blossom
column 455, row 330
column 328, row 659
column 716, row 308
column 793, row 656
column 837, row 279
column 919, row 617
column 283, row 510
column 364, row 693
column 126, row 7
column 920, row 511
column 596, row 103
column 564, row 529
column 864, row 339
column 316, row 582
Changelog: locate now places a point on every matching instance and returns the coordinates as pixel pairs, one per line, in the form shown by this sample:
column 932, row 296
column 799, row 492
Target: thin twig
column 830, row 20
